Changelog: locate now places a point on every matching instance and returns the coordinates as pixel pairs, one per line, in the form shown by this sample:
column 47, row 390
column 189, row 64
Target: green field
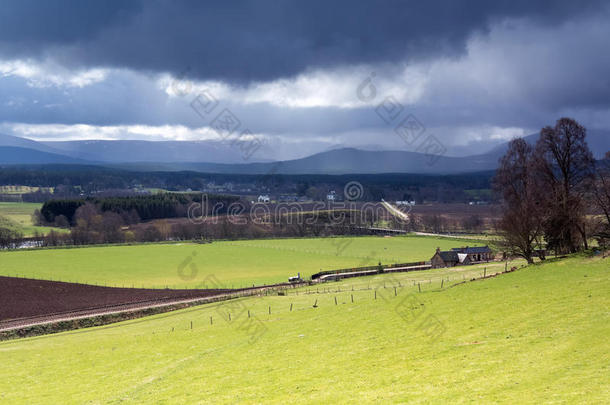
column 537, row 335
column 20, row 214
column 235, row 264
column 18, row 190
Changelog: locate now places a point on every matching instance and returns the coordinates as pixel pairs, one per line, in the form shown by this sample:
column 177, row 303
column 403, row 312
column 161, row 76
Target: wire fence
column 291, row 300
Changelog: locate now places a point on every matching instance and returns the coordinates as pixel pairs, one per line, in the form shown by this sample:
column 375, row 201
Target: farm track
column 445, row 235
column 395, row 211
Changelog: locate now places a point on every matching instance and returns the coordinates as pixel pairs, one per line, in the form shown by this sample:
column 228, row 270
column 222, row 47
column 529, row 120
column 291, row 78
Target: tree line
column 555, row 195
column 132, row 209
column 92, row 226
column 74, row 181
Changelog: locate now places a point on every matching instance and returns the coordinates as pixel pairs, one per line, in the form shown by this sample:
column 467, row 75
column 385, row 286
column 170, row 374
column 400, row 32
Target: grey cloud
column 255, row 40
column 556, row 63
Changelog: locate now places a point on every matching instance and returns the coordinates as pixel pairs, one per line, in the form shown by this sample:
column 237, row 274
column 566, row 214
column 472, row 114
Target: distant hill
column 13, row 155
column 8, row 140
column 350, row 160
column 121, row 151
column 343, row 161
column 216, row 157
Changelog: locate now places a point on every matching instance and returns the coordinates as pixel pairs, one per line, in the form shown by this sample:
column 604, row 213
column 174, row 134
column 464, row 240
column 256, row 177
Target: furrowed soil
column 22, row 298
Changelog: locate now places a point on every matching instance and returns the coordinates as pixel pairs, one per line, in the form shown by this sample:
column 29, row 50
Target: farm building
column 476, row 254
column 447, row 258
column 461, row 256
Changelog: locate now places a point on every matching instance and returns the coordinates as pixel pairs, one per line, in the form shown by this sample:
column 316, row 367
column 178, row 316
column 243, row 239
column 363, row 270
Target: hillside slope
column 218, row 157
column 13, row 155
column 15, row 141
column 536, row 335
column 344, row 161
column 118, row 151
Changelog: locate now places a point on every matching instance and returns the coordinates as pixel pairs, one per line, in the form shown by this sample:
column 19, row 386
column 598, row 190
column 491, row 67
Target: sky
column 303, row 76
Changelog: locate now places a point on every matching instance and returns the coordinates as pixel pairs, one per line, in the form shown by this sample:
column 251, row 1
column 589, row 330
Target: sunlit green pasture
column 536, row 335
column 234, row 264
column 20, row 214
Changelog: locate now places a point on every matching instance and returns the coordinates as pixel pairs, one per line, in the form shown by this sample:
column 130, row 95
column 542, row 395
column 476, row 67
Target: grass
column 234, row 264
column 537, row 335
column 20, row 214
column 9, row 224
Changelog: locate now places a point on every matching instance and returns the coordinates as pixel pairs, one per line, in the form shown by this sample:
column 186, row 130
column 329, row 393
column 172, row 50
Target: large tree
column 564, row 165
column 521, row 223
column 601, row 196
column 9, row 236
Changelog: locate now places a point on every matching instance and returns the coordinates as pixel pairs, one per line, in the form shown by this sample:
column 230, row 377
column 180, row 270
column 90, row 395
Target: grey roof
column 473, row 250
column 449, row 256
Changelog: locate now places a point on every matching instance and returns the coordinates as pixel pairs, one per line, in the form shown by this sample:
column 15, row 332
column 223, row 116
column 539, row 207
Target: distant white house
column 263, row 198
column 412, row 202
column 331, row 196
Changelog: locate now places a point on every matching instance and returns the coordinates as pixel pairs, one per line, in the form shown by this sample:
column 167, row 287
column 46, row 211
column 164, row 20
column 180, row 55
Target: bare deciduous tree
column 564, row 165
column 521, row 225
column 473, row 223
column 601, row 196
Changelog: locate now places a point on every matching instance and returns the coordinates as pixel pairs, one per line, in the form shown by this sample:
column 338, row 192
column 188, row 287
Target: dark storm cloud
column 29, row 26
column 254, row 40
column 474, row 73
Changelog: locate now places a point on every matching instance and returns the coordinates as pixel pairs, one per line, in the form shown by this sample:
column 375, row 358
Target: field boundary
column 336, row 275
column 107, row 317
column 365, row 270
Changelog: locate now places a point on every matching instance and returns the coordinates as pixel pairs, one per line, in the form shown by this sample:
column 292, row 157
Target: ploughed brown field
column 25, row 300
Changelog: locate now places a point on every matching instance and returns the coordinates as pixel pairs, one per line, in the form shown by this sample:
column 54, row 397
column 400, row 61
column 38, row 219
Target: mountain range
column 216, row 157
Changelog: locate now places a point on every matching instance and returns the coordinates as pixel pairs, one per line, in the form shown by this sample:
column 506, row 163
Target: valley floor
column 221, row 264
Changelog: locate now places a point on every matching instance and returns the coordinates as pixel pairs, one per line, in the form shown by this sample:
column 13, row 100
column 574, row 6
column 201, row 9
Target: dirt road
column 395, row 211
